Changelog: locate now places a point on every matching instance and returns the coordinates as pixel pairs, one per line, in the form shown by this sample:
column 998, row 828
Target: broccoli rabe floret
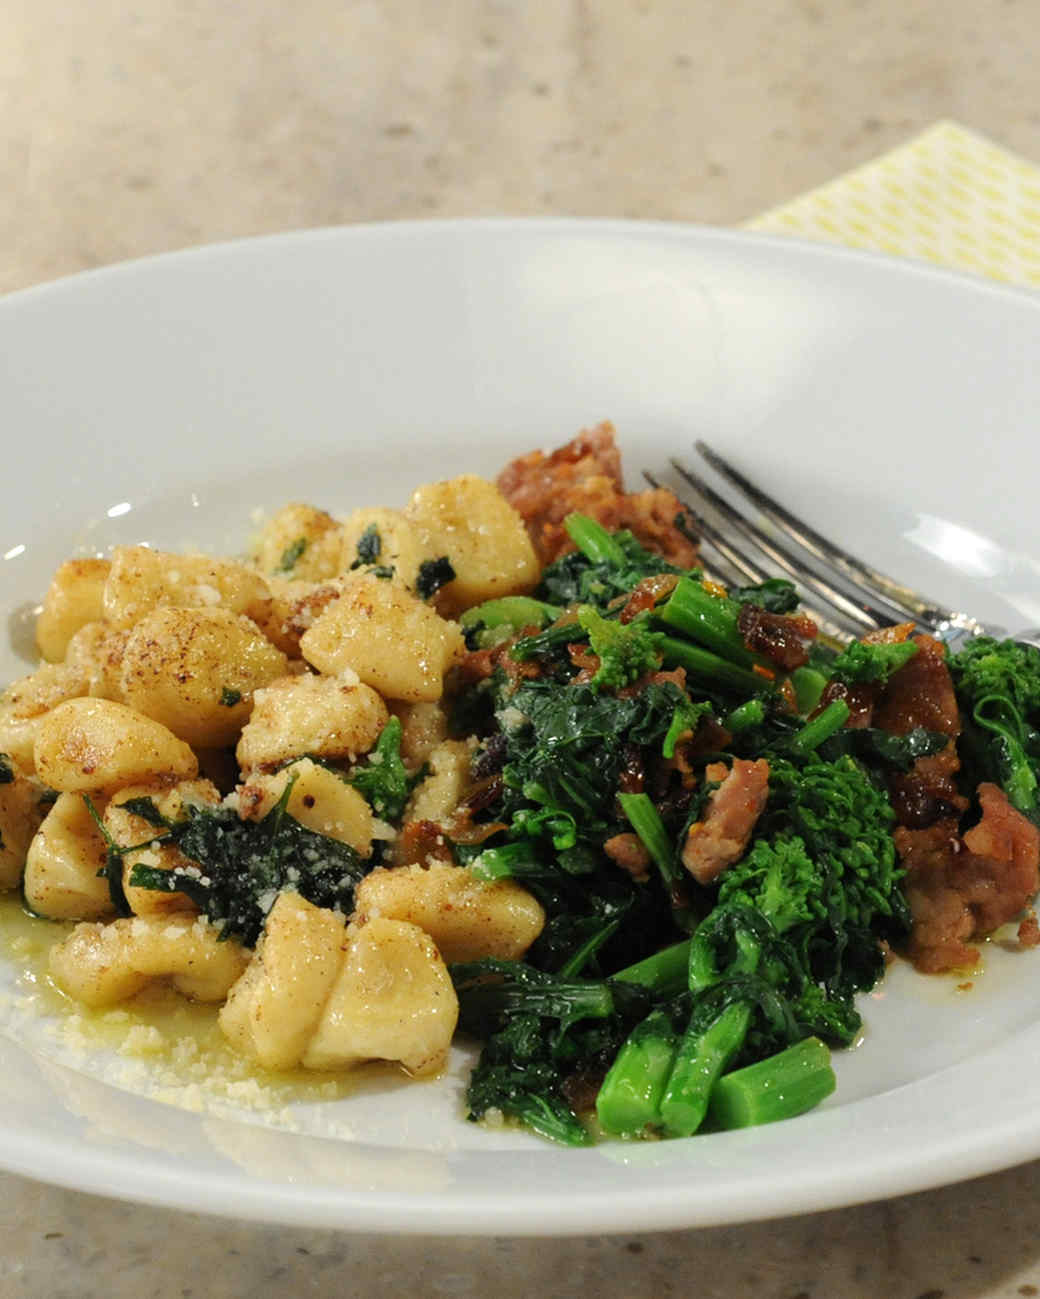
column 780, row 879
column 988, row 667
column 998, row 687
column 604, row 566
column 384, row 780
column 861, row 662
column 845, row 822
column 626, row 651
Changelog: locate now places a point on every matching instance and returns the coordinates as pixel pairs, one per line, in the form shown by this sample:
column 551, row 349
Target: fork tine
column 900, row 597
column 738, row 560
column 862, row 616
column 739, row 568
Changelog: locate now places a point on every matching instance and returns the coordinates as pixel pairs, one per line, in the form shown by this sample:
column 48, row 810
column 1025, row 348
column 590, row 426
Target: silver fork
column 848, row 596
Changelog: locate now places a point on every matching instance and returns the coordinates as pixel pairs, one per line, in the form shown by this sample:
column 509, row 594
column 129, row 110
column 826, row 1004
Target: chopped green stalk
column 779, row 1087
column 646, row 821
column 685, row 720
column 510, row 611
column 700, row 1060
column 666, row 972
column 752, row 713
column 809, row 685
column 821, row 727
column 709, row 619
column 709, row 668
column 629, row 1099
column 509, row 861
column 593, row 540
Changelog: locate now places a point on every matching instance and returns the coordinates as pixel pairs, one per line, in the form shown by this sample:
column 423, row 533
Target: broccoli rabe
column 594, row 778
column 626, row 651
column 998, row 688
column 988, row 668
column 292, row 555
column 432, row 575
column 369, row 547
column 781, row 880
column 383, row 779
column 861, row 662
column 241, row 866
column 604, row 566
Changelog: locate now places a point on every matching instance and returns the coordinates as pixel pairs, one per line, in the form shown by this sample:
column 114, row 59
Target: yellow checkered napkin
column 949, row 196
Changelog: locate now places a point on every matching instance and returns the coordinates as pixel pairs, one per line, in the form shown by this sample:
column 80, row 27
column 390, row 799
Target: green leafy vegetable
column 229, row 697
column 242, row 866
column 871, row 662
column 998, row 688
column 433, row 574
column 775, row 595
column 369, row 547
column 384, row 780
column 626, row 651
column 6, row 770
column 605, row 566
column 292, row 555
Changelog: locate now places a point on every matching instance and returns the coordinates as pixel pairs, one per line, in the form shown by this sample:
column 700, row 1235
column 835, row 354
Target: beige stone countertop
column 135, row 126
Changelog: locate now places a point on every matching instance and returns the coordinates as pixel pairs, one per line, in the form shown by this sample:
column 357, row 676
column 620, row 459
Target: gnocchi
column 390, row 638
column 313, row 682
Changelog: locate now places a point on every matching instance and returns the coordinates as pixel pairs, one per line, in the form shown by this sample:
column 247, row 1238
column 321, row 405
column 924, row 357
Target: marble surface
column 133, row 126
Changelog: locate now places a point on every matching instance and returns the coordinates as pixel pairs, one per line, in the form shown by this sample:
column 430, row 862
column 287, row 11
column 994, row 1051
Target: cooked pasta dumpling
column 396, row 643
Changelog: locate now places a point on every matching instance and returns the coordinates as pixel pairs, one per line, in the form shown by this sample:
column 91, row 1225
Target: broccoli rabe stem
column 709, row 668
column 593, row 540
column 749, row 714
column 701, row 1058
column 510, row 860
column 665, row 973
column 510, row 611
column 646, row 821
column 809, row 685
column 704, row 1053
column 709, row 619
column 629, row 1100
column 779, row 1087
column 821, row 727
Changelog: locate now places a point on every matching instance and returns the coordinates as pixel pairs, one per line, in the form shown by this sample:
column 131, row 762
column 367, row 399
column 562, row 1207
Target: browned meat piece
column 478, row 665
column 729, row 818
column 863, row 696
column 1029, row 930
column 780, row 637
column 585, row 475
column 1007, row 846
column 628, row 852
column 647, row 593
column 921, row 694
column 859, row 697
column 963, row 889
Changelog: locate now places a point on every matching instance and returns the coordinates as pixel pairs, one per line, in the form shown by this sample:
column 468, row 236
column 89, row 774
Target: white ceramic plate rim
column 972, row 1118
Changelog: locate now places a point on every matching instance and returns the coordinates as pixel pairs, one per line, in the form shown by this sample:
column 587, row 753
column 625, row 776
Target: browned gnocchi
column 289, row 677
